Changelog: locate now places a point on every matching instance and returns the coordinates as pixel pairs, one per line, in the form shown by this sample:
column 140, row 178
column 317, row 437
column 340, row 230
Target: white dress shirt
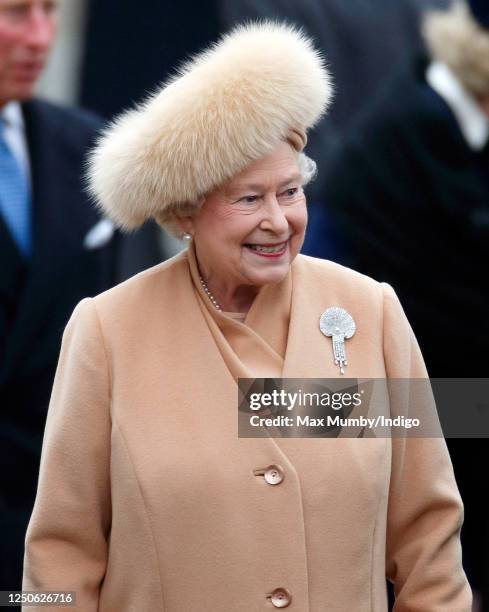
column 15, row 135
column 473, row 123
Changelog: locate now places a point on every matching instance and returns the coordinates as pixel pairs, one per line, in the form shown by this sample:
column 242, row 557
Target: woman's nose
column 274, row 218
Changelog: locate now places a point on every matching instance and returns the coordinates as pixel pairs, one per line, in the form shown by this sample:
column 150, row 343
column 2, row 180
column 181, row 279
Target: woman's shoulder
column 130, row 313
column 329, row 281
column 144, row 283
column 325, row 271
column 372, row 304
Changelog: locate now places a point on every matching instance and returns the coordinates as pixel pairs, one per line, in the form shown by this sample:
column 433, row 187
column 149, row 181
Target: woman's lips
column 271, row 251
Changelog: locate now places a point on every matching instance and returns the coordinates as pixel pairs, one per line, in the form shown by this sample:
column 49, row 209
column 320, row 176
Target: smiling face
column 248, row 231
column 27, row 30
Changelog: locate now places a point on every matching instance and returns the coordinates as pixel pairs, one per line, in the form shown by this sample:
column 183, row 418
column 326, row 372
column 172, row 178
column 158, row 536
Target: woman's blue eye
column 249, row 199
column 252, row 199
column 291, row 192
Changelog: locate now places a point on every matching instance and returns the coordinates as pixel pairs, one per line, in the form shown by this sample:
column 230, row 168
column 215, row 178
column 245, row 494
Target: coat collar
column 314, row 289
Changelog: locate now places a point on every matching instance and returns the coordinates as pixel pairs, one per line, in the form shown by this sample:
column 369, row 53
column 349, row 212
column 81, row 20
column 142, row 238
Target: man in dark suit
column 54, row 250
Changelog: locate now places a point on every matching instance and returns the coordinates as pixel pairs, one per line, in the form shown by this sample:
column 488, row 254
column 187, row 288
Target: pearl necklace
column 215, row 303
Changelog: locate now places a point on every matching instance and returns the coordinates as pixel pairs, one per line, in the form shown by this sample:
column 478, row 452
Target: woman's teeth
column 267, row 249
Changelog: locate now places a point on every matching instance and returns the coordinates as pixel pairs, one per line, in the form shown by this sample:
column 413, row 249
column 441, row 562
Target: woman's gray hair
column 454, row 38
column 307, row 169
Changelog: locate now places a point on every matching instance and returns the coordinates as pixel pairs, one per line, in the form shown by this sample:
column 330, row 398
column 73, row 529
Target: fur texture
column 230, row 105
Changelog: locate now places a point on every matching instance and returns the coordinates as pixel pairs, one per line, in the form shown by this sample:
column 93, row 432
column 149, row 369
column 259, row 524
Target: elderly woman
column 147, row 498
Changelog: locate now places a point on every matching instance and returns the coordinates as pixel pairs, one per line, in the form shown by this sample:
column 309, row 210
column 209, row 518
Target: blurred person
column 407, row 193
column 54, row 250
column 147, row 498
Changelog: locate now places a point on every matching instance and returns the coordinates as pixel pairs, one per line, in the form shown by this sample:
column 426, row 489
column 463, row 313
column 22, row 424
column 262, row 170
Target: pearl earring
column 186, row 236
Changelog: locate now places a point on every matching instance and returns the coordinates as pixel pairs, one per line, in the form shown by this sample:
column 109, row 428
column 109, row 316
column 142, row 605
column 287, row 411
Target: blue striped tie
column 15, row 201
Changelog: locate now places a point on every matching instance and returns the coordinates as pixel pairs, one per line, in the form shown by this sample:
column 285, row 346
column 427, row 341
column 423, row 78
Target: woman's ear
column 186, row 226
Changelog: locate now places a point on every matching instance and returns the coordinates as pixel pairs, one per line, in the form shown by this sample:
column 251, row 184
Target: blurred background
column 395, row 181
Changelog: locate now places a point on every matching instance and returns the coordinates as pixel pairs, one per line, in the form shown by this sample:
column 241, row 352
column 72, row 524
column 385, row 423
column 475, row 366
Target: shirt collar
column 472, row 121
column 11, row 114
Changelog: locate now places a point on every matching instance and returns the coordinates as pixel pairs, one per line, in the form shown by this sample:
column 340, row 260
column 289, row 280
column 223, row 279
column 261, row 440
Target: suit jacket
column 148, row 500
column 36, row 300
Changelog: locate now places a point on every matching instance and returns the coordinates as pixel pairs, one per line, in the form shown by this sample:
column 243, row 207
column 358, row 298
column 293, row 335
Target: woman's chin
column 273, row 275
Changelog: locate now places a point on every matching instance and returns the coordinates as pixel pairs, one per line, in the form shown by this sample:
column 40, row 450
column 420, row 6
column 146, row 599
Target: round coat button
column 274, row 474
column 281, row 598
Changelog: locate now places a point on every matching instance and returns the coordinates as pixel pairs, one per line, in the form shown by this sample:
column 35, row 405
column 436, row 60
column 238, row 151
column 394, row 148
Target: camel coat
column 149, row 502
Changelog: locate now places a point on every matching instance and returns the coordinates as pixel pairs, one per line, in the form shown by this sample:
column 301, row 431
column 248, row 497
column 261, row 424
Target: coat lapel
column 309, row 353
column 212, row 391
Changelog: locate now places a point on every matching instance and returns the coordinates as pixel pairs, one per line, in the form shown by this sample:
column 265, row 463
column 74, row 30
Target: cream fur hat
column 230, row 105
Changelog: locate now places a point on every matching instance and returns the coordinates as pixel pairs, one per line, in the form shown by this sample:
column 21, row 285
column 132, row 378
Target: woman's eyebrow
column 292, row 179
